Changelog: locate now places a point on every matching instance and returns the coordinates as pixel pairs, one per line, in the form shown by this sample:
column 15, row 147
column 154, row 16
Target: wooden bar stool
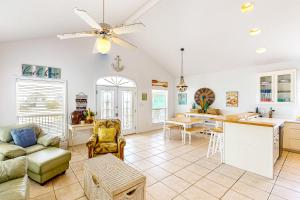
column 216, row 142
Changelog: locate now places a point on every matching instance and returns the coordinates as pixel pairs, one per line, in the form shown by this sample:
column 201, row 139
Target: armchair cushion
column 106, row 134
column 11, row 150
column 48, row 140
column 12, row 169
column 106, row 148
column 24, row 137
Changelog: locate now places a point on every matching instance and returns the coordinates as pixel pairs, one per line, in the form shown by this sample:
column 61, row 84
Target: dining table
column 184, row 122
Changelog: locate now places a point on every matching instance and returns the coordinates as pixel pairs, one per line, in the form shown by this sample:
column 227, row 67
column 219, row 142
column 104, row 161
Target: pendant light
column 182, row 87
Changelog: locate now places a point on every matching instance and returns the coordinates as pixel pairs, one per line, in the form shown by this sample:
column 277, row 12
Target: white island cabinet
column 252, row 145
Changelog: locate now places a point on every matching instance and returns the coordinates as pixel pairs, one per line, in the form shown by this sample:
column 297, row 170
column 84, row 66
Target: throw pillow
column 106, row 134
column 24, row 137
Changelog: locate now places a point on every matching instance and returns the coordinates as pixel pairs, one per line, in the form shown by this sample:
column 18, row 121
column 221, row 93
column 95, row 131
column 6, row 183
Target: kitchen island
column 252, row 144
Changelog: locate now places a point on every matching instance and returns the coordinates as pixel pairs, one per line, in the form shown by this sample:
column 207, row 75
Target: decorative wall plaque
column 41, row 71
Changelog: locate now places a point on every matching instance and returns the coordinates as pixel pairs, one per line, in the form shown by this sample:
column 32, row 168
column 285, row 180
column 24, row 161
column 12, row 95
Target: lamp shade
column 103, row 45
column 182, row 87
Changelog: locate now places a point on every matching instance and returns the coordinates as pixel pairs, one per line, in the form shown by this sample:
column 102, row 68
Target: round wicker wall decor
column 205, row 93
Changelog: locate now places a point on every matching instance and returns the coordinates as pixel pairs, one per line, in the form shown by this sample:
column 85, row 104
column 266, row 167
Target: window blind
column 159, row 105
column 42, row 102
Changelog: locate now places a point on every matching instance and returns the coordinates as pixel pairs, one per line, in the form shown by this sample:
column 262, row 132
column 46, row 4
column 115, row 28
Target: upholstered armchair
column 97, row 148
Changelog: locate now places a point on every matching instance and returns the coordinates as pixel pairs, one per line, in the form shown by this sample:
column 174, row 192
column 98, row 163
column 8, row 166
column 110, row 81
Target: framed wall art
column 232, row 99
column 182, row 99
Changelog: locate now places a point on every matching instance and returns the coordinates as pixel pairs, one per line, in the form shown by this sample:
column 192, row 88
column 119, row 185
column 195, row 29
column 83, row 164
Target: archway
column 116, row 98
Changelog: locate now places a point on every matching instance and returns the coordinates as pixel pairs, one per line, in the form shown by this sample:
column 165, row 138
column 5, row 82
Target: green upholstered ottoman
column 48, row 163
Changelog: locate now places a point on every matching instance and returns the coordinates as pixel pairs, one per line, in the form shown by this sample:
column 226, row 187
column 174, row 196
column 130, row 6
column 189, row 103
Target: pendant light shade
column 182, row 87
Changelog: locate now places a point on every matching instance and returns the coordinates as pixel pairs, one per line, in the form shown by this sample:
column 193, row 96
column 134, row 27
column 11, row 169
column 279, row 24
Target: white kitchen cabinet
column 277, row 86
column 291, row 136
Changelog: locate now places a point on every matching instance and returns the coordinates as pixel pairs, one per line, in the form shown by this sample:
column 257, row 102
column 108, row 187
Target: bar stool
column 216, row 142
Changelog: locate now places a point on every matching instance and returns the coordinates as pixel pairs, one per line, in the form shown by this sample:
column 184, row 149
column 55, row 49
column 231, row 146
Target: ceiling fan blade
column 88, row 19
column 122, row 42
column 131, row 28
column 75, row 35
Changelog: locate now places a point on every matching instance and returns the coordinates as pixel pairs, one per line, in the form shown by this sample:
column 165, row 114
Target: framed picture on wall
column 232, row 99
column 182, row 99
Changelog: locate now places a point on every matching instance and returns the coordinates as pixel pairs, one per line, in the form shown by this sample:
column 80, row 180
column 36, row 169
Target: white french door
column 118, row 102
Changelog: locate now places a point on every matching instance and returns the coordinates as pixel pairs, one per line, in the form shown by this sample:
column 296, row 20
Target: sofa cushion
column 106, row 134
column 17, row 189
column 23, row 137
column 106, row 148
column 48, row 140
column 12, row 169
column 11, row 150
column 47, row 159
column 5, row 135
column 34, row 148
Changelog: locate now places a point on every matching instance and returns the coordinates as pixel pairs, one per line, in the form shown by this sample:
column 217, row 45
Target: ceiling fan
column 104, row 32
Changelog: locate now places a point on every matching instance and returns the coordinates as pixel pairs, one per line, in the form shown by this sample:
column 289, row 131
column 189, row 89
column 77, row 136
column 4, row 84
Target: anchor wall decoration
column 117, row 66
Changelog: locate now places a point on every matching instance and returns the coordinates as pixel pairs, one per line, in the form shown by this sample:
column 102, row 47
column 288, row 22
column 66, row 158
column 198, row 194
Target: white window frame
column 166, row 109
column 65, row 106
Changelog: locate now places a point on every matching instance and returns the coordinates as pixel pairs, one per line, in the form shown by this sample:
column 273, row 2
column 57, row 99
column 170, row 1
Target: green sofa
column 14, row 184
column 45, row 159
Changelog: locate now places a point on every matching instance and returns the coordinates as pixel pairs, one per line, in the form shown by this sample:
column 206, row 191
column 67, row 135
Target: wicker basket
column 108, row 178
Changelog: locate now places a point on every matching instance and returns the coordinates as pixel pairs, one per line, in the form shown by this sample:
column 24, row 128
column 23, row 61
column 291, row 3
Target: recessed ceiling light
column 261, row 50
column 247, row 7
column 254, row 31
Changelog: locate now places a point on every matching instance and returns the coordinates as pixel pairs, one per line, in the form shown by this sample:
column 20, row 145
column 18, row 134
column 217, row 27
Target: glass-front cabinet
column 277, row 86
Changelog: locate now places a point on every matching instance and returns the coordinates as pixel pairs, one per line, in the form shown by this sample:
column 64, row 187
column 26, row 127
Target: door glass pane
column 266, row 89
column 106, row 104
column 284, row 88
column 127, row 109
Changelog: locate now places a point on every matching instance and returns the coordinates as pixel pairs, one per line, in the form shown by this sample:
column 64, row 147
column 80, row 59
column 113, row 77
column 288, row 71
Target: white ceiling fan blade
column 122, row 43
column 88, row 19
column 75, row 35
column 131, row 28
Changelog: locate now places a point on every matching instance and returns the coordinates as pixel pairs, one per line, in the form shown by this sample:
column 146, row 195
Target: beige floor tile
column 170, row 167
column 255, row 181
column 250, row 191
column 75, row 166
column 176, row 184
column 285, row 192
column 293, row 185
column 37, row 189
column 150, row 180
column 180, row 162
column 290, row 176
column 143, row 164
column 191, row 158
column 161, row 192
column 144, row 154
column 232, row 195
column 196, row 169
column 195, row 193
column 70, row 192
column 156, row 160
column 179, row 197
column 158, row 173
column 211, row 187
column 47, row 196
column 64, row 180
column 275, row 197
column 229, row 171
column 291, row 170
column 76, row 158
column 207, row 164
column 133, row 158
column 79, row 174
column 221, row 179
column 165, row 156
column 188, row 176
column 149, row 197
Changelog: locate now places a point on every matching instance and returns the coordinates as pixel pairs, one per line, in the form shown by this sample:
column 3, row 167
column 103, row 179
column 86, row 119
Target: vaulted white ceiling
column 214, row 33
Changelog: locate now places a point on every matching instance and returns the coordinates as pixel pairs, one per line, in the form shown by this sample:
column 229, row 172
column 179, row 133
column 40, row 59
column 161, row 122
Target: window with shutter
column 159, row 105
column 42, row 102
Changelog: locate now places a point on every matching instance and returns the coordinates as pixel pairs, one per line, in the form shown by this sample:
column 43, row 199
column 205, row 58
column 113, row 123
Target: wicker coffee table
column 107, row 177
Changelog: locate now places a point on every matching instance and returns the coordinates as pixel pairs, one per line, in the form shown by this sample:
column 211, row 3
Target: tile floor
column 180, row 172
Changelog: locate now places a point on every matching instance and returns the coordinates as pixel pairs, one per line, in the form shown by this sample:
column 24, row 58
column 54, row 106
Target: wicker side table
column 108, row 178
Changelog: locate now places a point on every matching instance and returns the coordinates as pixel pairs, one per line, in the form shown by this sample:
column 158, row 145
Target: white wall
column 81, row 69
column 245, row 82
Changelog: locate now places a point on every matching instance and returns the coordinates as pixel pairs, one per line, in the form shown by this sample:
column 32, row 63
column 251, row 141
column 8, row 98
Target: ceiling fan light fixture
column 254, row 31
column 247, row 7
column 103, row 45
